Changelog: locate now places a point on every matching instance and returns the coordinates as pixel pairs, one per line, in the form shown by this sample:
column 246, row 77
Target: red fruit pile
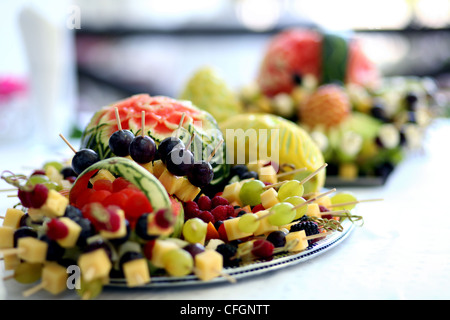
column 209, row 210
column 119, row 193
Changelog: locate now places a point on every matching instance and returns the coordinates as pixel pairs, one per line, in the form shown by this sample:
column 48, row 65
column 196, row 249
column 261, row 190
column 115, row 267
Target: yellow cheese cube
column 154, row 229
column 6, row 237
column 136, row 272
column 298, row 239
column 324, row 201
column 231, row 192
column 54, row 278
column 158, row 168
column 170, row 182
column 159, row 248
column 187, row 191
column 313, row 210
column 32, row 250
column 268, row 174
column 95, row 264
column 102, row 174
column 232, row 229
column 36, row 214
column 264, row 224
column 121, row 232
column 348, row 171
column 12, row 218
column 74, row 232
column 11, row 261
column 269, row 198
column 55, row 205
column 256, row 166
column 208, row 264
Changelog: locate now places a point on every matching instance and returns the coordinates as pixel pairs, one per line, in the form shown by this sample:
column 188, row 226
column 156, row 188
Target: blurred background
column 62, row 60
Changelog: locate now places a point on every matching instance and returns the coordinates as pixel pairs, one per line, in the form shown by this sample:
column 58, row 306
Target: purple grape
column 179, row 161
column 119, row 142
column 201, row 174
column 142, row 149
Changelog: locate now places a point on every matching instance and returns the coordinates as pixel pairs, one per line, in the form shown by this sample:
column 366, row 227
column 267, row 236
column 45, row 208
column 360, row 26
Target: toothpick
column 34, row 289
column 227, row 276
column 287, row 173
column 314, row 199
column 143, row 122
column 8, row 251
column 215, row 150
column 352, row 202
column 8, row 190
column 190, row 141
column 274, row 185
column 313, row 174
column 119, row 124
column 11, row 276
column 337, row 213
column 68, row 143
column 318, row 235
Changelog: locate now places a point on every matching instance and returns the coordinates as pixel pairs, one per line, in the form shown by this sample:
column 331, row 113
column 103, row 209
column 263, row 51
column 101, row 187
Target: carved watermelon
column 162, row 117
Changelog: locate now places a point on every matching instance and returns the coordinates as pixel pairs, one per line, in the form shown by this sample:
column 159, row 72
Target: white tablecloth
column 401, row 252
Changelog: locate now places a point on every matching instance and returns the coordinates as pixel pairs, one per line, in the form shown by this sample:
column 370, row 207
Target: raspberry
column 231, row 212
column 257, row 208
column 191, row 210
column 218, row 201
column 56, row 229
column 206, row 216
column 263, row 248
column 204, row 203
column 220, row 212
column 38, row 196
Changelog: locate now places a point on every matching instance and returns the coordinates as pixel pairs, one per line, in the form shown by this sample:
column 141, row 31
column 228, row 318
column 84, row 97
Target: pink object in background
column 11, row 87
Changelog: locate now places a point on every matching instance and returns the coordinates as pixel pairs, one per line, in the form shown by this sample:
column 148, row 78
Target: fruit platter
column 150, row 199
column 364, row 123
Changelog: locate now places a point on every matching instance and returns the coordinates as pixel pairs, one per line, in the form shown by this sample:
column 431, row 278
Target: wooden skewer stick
column 12, row 195
column 143, row 123
column 11, row 276
column 181, row 123
column 34, row 289
column 190, row 141
column 2, row 217
column 68, row 143
column 287, row 173
column 275, row 185
column 214, row 151
column 352, row 202
column 119, row 124
column 8, row 190
column 313, row 174
column 337, row 213
column 8, row 251
column 227, row 276
column 314, row 199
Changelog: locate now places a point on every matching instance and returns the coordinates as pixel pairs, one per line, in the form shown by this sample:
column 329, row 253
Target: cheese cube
column 313, row 210
column 12, row 218
column 11, row 261
column 55, row 205
column 35, row 214
column 121, row 232
column 298, row 238
column 268, row 174
column 6, row 237
column 54, row 278
column 232, row 229
column 136, row 272
column 264, row 225
column 95, row 264
column 208, row 264
column 269, row 198
column 74, row 232
column 231, row 192
column 159, row 248
column 32, row 249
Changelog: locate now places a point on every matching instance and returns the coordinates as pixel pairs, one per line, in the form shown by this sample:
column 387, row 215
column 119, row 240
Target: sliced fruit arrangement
column 363, row 123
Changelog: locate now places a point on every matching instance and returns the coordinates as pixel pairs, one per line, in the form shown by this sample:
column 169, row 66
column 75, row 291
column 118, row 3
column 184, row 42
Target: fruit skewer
column 353, row 202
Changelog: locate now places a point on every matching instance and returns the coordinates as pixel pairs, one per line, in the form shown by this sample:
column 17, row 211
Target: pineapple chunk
column 102, row 174
column 264, row 225
column 94, row 265
column 171, row 182
column 256, row 166
column 54, row 278
column 121, row 232
column 313, row 210
column 208, row 264
column 232, row 230
column 136, row 272
column 6, row 237
column 74, row 232
column 159, row 248
column 147, row 166
column 11, row 261
column 32, row 250
column 231, row 192
column 55, row 205
column 300, row 238
column 268, row 174
column 324, row 201
column 269, row 198
column 187, row 191
column 12, row 218
column 158, row 168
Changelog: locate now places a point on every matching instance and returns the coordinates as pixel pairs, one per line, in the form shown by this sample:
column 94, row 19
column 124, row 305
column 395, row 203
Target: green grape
column 248, row 223
column 194, row 230
column 38, row 178
column 295, row 201
column 250, row 193
column 292, row 188
column 281, row 214
column 178, row 262
column 27, row 272
column 343, row 197
column 89, row 289
column 57, row 165
column 53, row 186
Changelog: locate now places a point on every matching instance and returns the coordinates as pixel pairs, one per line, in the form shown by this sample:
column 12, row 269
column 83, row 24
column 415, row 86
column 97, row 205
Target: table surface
column 401, row 252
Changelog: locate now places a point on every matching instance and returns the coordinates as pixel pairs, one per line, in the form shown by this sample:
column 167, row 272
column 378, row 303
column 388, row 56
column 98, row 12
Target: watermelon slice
column 162, row 117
